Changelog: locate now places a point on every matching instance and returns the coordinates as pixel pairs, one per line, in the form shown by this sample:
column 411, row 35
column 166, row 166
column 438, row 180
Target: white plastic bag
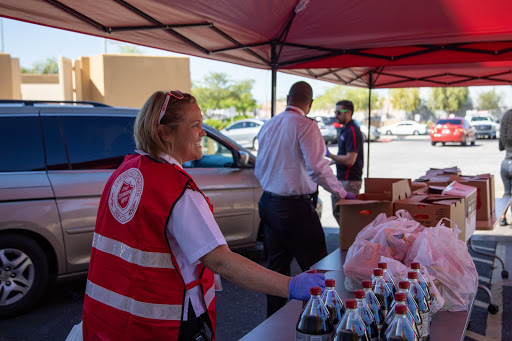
column 384, row 237
column 447, row 259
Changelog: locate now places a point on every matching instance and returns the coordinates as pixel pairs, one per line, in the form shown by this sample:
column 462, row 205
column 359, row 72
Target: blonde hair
column 506, row 129
column 146, row 124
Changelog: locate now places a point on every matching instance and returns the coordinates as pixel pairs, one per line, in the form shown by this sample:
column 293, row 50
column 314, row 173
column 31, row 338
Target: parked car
column 245, row 132
column 455, row 129
column 484, row 126
column 56, row 161
column 405, row 128
column 327, row 127
column 374, row 132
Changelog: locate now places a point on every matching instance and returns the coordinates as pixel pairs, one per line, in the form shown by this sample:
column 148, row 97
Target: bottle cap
column 404, row 285
column 412, row 275
column 330, row 283
column 367, row 284
column 401, row 309
column 400, row 296
column 360, row 294
column 315, row 291
column 382, row 265
column 351, row 304
column 378, row 272
column 415, row 265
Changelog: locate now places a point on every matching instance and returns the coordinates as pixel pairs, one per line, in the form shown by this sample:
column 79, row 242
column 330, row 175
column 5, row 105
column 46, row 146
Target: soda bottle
column 400, row 298
column 387, row 277
column 373, row 303
column 314, row 322
column 351, row 327
column 400, row 328
column 366, row 315
column 381, row 290
column 421, row 300
column 410, row 302
column 424, row 284
column 333, row 302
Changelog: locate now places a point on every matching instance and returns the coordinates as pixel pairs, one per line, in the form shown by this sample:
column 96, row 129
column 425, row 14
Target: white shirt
column 291, row 158
column 192, row 233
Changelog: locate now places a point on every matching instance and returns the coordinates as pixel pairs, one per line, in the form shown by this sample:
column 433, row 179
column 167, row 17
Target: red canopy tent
column 371, row 43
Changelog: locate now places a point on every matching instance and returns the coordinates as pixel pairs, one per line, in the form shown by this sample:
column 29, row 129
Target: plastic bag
column 384, row 237
column 448, row 261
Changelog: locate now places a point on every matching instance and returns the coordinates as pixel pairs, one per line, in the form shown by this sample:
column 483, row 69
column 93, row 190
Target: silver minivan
column 56, row 161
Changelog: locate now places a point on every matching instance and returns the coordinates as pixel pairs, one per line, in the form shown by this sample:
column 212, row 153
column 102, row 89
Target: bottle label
column 307, row 337
column 425, row 324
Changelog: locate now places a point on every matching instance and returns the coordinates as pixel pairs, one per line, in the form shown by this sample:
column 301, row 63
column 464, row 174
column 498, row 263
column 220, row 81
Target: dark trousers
column 292, row 229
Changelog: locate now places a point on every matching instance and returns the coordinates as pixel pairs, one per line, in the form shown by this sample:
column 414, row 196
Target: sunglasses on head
column 174, row 93
column 337, row 112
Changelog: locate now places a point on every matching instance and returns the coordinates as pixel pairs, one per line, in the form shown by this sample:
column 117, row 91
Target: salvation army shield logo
column 125, row 195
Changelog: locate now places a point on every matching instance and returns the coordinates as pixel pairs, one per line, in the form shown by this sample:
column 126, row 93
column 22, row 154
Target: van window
column 22, row 148
column 215, row 155
column 97, row 142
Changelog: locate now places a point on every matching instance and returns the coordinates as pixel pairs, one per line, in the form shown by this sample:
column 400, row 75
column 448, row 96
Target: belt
column 290, row 197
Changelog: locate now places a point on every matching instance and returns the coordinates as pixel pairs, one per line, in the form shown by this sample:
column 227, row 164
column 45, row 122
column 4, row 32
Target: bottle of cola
column 400, row 298
column 400, row 328
column 333, row 302
column 381, row 290
column 366, row 315
column 410, row 302
column 388, row 278
column 421, row 300
column 351, row 327
column 423, row 282
column 373, row 303
column 314, row 322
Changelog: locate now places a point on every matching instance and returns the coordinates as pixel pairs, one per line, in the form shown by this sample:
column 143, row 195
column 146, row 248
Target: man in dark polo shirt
column 349, row 160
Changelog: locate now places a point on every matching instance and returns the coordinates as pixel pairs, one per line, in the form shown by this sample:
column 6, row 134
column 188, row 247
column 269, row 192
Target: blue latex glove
column 350, row 196
column 298, row 287
column 326, row 151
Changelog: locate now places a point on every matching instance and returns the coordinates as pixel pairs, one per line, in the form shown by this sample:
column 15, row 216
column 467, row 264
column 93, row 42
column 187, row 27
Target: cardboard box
column 356, row 214
column 430, row 208
column 389, row 189
column 380, row 193
column 485, row 193
column 469, row 193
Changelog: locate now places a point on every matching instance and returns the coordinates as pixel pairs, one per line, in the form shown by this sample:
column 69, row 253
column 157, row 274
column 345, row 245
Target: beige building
column 115, row 79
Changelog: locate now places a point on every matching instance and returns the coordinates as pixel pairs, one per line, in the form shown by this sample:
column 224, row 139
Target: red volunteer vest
column 135, row 290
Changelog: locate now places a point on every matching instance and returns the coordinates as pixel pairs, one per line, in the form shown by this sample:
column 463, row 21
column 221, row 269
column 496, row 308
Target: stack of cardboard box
column 379, row 196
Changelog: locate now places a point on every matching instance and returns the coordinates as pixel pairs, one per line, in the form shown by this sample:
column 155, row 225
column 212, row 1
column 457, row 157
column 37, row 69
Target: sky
column 34, row 43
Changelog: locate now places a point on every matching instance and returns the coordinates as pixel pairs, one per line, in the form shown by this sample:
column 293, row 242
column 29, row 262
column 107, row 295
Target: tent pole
column 273, row 68
column 369, row 125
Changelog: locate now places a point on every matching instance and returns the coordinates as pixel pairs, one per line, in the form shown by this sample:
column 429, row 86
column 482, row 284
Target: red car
column 456, row 129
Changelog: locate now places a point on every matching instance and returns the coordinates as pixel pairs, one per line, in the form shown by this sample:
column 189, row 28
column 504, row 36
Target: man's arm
column 348, row 159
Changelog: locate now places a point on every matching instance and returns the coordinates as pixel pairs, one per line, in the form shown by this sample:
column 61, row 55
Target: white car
column 405, row 128
column 245, row 132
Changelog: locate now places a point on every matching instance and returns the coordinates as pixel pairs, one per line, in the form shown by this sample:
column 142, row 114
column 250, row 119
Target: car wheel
column 443, row 143
column 416, row 132
column 434, row 143
column 388, row 132
column 23, row 274
column 255, row 144
column 365, row 139
column 464, row 141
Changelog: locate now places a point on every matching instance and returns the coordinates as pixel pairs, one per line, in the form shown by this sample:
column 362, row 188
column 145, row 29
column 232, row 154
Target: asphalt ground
column 239, row 310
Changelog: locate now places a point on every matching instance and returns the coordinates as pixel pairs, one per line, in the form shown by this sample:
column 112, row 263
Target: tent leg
column 273, row 91
column 369, row 130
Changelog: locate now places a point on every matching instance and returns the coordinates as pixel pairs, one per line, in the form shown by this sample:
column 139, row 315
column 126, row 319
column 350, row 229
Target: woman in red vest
column 156, row 245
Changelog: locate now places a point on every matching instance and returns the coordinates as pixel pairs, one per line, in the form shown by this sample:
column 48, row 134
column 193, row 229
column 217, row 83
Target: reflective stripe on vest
column 132, row 255
column 134, row 307
column 209, row 296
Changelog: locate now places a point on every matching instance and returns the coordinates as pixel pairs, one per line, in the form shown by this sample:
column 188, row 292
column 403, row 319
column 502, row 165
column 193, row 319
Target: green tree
column 448, row 99
column 405, row 99
column 129, row 49
column 358, row 96
column 489, row 100
column 218, row 91
column 49, row 66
